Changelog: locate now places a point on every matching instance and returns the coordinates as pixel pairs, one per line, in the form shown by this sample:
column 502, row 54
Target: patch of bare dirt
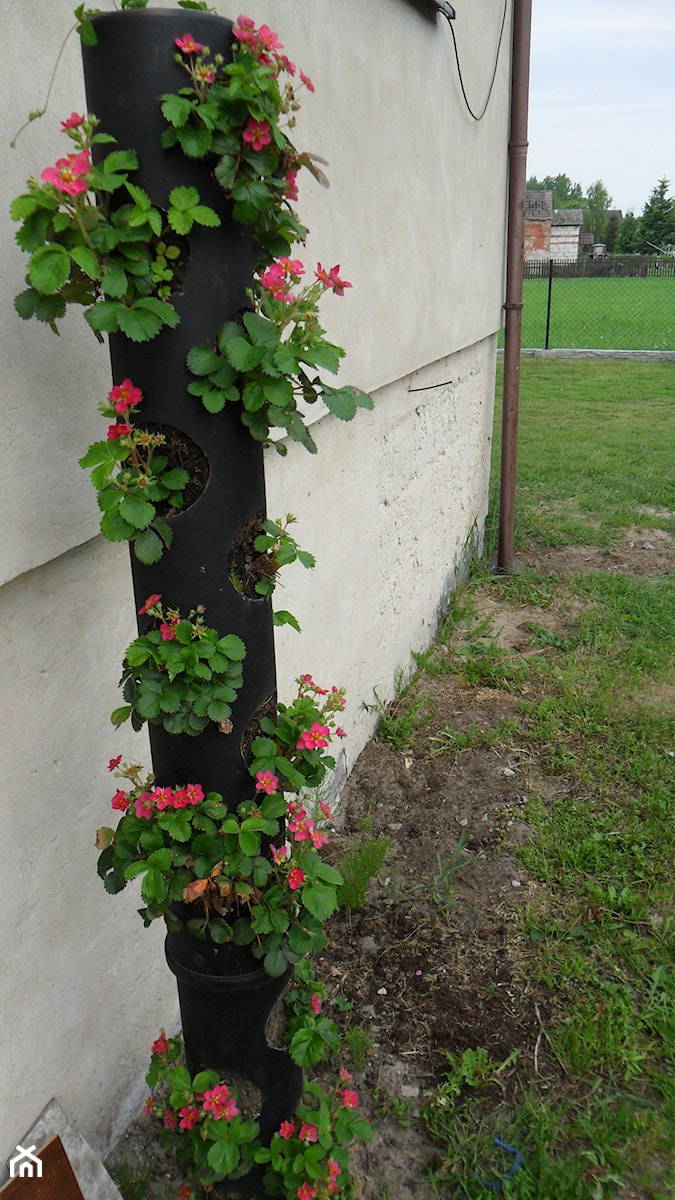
column 639, row 552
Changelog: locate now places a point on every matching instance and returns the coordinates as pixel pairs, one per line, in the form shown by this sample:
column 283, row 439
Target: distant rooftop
column 568, row 216
column 538, row 206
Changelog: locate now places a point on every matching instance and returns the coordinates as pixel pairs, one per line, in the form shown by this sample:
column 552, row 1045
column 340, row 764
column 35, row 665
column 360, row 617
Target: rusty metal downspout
column 520, row 82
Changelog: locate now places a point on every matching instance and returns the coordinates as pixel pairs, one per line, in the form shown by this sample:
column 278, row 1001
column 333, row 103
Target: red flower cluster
column 261, row 42
column 219, row 1102
column 280, row 276
column 160, row 798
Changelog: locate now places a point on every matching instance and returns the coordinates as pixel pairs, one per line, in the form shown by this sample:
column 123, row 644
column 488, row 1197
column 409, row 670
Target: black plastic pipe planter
column 225, row 997
column 211, row 984
column 126, row 73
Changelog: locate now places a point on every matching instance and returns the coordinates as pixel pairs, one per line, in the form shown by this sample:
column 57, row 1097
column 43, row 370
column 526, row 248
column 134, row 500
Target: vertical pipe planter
column 126, row 73
column 225, row 997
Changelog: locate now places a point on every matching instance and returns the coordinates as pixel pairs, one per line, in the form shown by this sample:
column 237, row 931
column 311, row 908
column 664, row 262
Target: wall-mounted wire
column 442, row 7
column 477, row 116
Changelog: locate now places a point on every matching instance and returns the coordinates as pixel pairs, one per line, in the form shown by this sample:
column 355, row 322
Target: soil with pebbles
column 435, row 963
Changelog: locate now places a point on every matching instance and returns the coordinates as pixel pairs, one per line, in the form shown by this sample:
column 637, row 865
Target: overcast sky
column 602, row 95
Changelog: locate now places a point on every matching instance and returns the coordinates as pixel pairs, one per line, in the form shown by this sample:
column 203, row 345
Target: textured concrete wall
column 415, row 216
column 387, row 507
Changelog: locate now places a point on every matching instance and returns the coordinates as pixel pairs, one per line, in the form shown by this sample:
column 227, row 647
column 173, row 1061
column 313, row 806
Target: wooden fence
column 620, row 266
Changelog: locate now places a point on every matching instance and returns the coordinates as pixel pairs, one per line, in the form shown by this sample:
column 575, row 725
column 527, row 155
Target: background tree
column 599, row 200
column 612, row 232
column 629, row 238
column 565, row 193
column 657, row 223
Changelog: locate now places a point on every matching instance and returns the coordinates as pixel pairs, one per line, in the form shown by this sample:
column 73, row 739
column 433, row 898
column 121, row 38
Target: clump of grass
column 133, row 1182
column 474, row 737
column 443, row 885
column 359, row 865
column 359, row 1043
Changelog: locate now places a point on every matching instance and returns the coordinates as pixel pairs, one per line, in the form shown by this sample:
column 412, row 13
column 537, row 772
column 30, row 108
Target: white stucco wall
column 415, row 216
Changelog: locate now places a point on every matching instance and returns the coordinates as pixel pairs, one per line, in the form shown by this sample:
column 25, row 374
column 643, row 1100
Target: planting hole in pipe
column 268, row 708
column 247, row 566
column 184, row 454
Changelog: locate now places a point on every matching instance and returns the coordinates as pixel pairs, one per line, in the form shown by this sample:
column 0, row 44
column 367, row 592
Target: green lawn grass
column 598, row 935
column 600, row 314
column 596, row 448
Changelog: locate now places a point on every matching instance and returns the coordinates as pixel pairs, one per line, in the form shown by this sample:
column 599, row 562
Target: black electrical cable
column 459, row 67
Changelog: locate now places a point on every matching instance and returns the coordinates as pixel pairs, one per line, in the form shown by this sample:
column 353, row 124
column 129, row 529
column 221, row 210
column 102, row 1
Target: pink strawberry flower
column 305, row 1192
column 168, row 631
column 325, row 810
column 279, row 853
column 275, row 282
column 268, row 40
column 124, row 396
column 245, row 31
column 318, row 839
column 291, row 189
column 333, row 1169
column 194, row 793
column 189, row 1115
column 160, row 1046
column 296, row 877
column 120, row 801
column 349, row 1099
column 339, row 732
column 68, row 175
column 257, row 133
column 308, row 1133
column 292, row 267
column 169, row 1118
column 118, row 430
column 345, row 1076
column 307, row 81
column 188, row 45
column 143, row 806
column 114, row 763
column 162, row 797
column 149, row 603
column 286, row 1130
column 300, row 825
column 74, row 121
column 315, row 1004
column 315, row 738
column 331, row 279
column 266, row 782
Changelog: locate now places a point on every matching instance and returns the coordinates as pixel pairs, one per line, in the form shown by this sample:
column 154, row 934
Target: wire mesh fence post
column 548, row 302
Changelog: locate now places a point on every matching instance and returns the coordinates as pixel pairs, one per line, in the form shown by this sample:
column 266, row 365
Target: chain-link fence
column 613, row 303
